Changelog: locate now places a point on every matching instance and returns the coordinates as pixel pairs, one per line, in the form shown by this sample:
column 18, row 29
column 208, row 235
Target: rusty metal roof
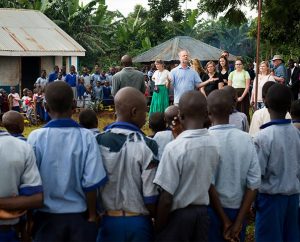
column 168, row 51
column 31, row 33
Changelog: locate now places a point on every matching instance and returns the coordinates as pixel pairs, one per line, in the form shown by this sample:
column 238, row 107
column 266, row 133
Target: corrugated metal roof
column 168, row 51
column 31, row 33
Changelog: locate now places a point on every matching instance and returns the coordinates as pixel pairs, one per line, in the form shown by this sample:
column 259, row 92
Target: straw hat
column 277, row 57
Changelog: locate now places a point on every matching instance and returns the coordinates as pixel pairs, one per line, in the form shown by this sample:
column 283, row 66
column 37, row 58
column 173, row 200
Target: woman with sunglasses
column 160, row 98
column 240, row 80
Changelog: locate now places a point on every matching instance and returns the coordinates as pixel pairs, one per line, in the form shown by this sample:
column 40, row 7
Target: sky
column 127, row 6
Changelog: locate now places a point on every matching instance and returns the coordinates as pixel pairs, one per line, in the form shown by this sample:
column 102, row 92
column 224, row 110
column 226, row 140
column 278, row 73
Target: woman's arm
column 245, row 91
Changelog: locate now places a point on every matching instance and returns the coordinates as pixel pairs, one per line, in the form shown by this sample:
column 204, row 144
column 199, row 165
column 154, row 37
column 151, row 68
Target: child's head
column 106, row 83
column 131, row 106
column 265, row 88
column 88, row 119
column 157, row 122
column 12, row 90
column 29, row 93
column 172, row 119
column 81, row 80
column 13, row 121
column 25, row 91
column 98, row 83
column 219, row 104
column 59, row 98
column 192, row 110
column 233, row 94
column 295, row 110
column 278, row 99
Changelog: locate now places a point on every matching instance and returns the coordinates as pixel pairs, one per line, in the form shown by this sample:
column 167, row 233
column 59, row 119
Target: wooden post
column 257, row 51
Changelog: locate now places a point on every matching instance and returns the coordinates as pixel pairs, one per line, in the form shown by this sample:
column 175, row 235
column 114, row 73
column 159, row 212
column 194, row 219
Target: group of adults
column 190, row 75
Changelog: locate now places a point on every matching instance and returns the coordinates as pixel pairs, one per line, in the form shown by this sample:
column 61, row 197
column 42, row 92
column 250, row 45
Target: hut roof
column 168, row 51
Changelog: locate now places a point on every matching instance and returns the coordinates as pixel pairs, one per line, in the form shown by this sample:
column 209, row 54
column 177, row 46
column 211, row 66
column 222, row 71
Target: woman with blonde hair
column 196, row 65
column 212, row 80
column 263, row 76
column 160, row 98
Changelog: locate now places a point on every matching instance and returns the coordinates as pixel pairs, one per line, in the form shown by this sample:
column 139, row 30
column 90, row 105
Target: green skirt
column 160, row 100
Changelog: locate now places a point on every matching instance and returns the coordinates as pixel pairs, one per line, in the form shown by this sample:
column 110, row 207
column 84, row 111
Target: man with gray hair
column 183, row 78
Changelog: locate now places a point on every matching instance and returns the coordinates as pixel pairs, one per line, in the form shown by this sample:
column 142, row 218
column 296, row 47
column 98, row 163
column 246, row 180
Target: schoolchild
column 295, row 113
column 277, row 145
column 13, row 121
column 88, row 119
column 20, row 184
column 173, row 129
column 157, row 123
column 237, row 177
column 184, row 175
column 129, row 158
column 236, row 118
column 71, row 168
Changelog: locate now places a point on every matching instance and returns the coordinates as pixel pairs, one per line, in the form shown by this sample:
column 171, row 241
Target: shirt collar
column 296, row 121
column 222, row 126
column 180, row 67
column 3, row 133
column 276, row 122
column 62, row 123
column 190, row 133
column 123, row 125
column 17, row 135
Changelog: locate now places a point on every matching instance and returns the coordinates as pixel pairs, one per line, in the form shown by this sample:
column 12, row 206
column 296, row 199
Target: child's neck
column 66, row 115
column 220, row 121
column 275, row 115
column 193, row 124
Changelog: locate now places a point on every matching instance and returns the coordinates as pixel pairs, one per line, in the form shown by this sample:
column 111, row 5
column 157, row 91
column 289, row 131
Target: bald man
column 185, row 173
column 129, row 158
column 128, row 77
column 13, row 121
column 184, row 78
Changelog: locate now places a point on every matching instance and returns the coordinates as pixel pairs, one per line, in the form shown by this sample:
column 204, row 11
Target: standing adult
column 240, row 80
column 212, row 80
column 293, row 75
column 53, row 75
column 72, row 80
column 183, row 78
column 223, row 69
column 279, row 71
column 128, row 77
column 263, row 77
column 196, row 65
column 160, row 98
column 225, row 54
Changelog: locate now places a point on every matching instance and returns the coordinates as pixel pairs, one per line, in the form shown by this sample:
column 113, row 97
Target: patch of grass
column 104, row 119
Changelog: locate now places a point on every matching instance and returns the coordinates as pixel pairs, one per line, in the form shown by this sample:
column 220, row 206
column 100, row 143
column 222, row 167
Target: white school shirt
column 162, row 138
column 187, row 167
column 160, row 77
column 130, row 159
column 238, row 168
column 70, row 165
column 19, row 174
column 277, row 145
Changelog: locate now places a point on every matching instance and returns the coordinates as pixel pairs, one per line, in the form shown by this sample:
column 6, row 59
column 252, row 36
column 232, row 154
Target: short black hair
column 295, row 109
column 157, row 122
column 219, row 103
column 88, row 119
column 279, row 98
column 266, row 87
column 59, row 97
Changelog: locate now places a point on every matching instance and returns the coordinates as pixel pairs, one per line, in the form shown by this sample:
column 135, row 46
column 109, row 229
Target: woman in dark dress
column 223, row 69
column 212, row 79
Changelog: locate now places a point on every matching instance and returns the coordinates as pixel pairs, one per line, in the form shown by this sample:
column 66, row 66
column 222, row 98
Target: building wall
column 10, row 71
column 47, row 63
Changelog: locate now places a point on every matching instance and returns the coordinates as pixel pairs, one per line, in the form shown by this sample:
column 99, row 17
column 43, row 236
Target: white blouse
column 160, row 78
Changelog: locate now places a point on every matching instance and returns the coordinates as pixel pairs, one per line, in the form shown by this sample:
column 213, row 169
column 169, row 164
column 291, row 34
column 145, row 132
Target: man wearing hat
column 279, row 70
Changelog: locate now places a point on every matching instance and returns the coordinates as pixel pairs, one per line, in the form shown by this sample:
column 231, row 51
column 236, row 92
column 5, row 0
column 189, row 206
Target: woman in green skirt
column 160, row 98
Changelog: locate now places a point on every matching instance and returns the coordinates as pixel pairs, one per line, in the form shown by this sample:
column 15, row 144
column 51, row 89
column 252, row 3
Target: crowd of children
column 187, row 183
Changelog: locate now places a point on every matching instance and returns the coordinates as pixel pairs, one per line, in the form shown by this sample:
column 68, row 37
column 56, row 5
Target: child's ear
column 133, row 112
